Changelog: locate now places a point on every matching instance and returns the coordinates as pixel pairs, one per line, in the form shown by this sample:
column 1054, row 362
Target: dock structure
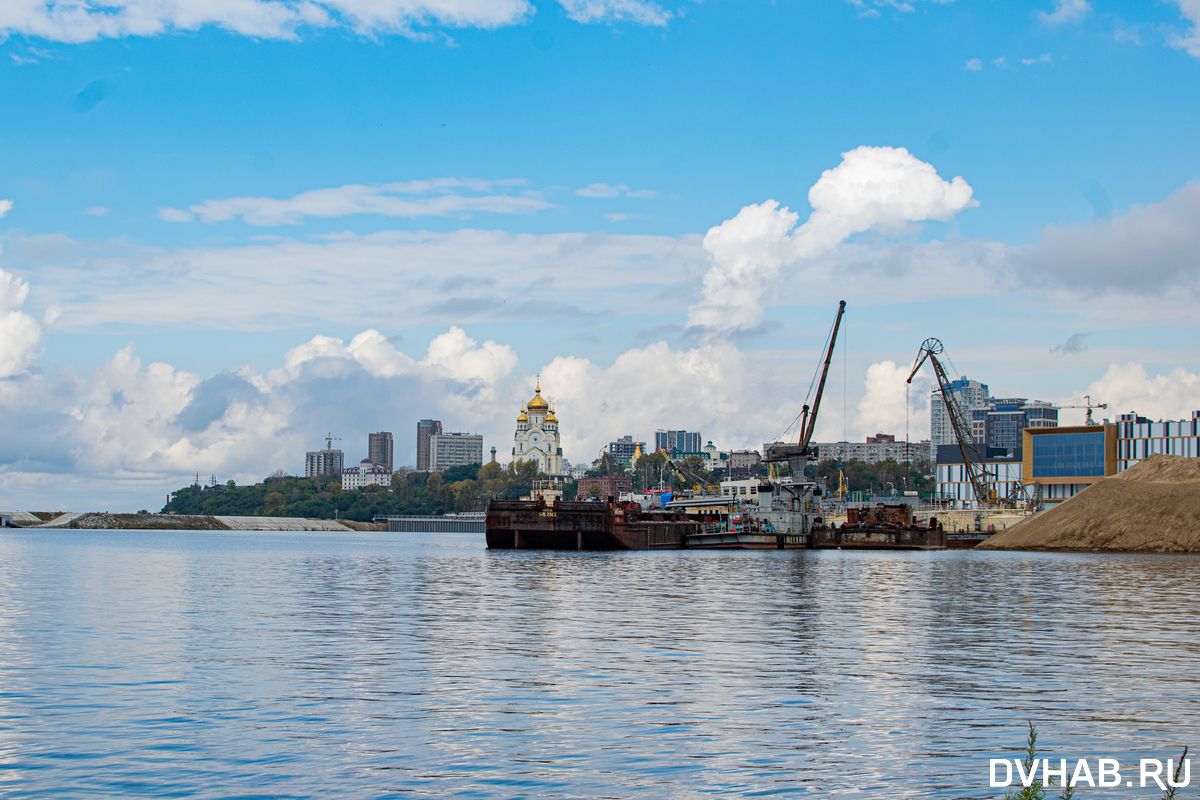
column 446, row 523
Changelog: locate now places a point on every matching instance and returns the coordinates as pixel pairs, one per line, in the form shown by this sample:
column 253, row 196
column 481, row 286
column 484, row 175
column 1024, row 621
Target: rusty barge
column 703, row 524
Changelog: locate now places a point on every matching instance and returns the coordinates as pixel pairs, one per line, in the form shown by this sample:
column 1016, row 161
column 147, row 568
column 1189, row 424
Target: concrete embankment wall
column 176, row 522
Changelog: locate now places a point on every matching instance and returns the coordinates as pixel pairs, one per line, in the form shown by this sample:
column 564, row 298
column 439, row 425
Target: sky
column 232, row 227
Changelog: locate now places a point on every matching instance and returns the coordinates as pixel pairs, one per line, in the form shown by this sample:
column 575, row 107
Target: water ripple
column 210, row 664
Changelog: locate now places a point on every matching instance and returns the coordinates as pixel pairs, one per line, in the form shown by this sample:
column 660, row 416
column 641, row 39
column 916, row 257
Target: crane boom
column 800, row 452
column 930, row 348
column 806, row 434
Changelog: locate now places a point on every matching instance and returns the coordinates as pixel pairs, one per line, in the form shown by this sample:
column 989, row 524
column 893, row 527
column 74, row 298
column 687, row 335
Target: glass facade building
column 1069, row 455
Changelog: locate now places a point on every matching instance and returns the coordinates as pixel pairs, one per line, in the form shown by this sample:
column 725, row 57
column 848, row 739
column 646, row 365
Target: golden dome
column 537, row 403
column 521, row 417
column 551, row 418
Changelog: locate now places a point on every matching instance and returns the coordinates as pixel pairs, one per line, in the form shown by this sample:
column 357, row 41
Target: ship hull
column 532, row 525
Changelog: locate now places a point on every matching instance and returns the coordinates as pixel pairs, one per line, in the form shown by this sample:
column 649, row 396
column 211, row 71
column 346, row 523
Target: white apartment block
column 970, row 395
column 454, row 450
column 367, row 473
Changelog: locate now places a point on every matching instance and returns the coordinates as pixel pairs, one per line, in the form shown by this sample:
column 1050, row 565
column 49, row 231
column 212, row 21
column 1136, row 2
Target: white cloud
column 5, row 207
column 644, row 194
column 437, row 197
column 639, row 11
column 77, row 21
column 97, row 211
column 175, row 215
column 1001, row 62
column 1074, row 345
column 1148, row 250
column 20, row 333
column 655, row 387
column 74, row 21
column 619, row 216
column 1044, row 58
column 1065, row 11
column 419, row 278
column 881, row 188
column 1127, row 388
column 887, row 397
column 974, row 65
column 154, row 425
column 601, row 190
column 1190, row 11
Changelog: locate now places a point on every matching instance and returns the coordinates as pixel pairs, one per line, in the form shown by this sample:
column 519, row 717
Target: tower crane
column 330, row 439
column 797, row 455
column 1089, row 405
column 930, row 349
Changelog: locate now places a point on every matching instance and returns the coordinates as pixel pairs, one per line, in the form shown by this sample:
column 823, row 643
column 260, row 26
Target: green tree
column 274, row 499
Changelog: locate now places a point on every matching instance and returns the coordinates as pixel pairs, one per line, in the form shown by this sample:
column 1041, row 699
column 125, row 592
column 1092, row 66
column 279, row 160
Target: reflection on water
column 213, row 664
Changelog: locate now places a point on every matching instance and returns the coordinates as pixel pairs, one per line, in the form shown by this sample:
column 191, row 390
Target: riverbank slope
column 1152, row 507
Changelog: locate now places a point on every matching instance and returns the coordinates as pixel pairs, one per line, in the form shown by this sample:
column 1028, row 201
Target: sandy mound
column 1153, row 507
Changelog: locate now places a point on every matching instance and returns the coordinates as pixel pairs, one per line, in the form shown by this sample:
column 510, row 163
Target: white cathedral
column 536, row 438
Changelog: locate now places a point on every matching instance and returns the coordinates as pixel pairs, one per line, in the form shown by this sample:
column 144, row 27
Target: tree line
column 457, row 489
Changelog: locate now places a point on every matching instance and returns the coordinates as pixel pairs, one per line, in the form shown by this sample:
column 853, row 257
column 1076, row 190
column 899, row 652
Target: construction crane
column 930, row 349
column 330, row 439
column 1089, row 405
column 797, row 455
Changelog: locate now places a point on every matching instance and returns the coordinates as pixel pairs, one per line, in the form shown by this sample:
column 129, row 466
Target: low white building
column 714, row 458
column 367, row 473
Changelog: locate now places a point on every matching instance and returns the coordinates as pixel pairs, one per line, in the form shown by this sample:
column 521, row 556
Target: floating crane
column 797, row 455
column 1089, row 405
column 930, row 349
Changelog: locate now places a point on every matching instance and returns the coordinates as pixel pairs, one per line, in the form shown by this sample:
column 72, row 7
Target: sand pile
column 1153, row 507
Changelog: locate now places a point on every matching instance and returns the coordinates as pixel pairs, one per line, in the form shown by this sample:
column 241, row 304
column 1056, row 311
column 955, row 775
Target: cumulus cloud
column 974, row 65
column 880, row 188
column 655, row 387
column 889, row 403
column 1128, row 388
column 1044, row 58
column 152, row 425
column 1065, row 11
column 1074, row 345
column 438, row 197
column 639, row 11
column 5, row 207
column 20, row 333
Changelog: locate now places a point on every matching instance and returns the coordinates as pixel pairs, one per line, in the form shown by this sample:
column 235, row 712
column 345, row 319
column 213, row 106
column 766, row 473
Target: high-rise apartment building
column 1005, row 418
column 379, row 449
column 970, row 395
column 324, row 462
column 677, row 442
column 623, row 449
column 454, row 450
column 426, row 428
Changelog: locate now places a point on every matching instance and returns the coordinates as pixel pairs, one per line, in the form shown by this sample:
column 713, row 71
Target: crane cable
column 812, row 384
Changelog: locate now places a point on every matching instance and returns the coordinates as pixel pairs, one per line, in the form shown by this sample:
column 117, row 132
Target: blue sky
column 217, row 187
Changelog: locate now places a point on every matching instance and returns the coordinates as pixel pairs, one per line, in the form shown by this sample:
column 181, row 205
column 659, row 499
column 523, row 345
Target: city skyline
column 225, row 231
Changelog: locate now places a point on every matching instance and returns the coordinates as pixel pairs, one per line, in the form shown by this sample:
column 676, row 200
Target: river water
column 213, row 664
